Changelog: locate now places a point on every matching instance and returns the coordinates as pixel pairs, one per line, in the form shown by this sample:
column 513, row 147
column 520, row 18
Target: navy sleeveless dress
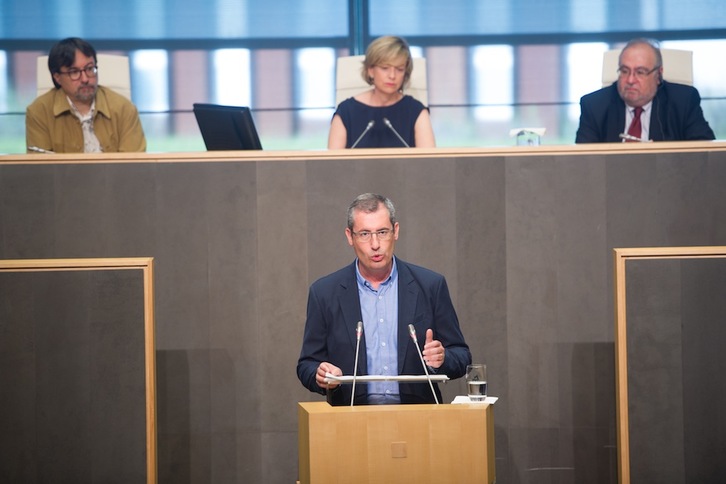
column 402, row 115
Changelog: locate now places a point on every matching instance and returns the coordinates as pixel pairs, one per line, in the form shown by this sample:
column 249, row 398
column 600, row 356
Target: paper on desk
column 329, row 377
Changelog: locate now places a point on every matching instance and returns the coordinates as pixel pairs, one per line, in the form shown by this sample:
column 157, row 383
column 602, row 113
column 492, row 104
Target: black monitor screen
column 227, row 127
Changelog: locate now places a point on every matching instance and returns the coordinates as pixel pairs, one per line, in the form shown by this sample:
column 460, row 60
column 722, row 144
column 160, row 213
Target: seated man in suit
column 386, row 294
column 640, row 104
column 79, row 115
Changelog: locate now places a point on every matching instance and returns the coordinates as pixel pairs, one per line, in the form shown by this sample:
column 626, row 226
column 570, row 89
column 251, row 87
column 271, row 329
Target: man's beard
column 86, row 93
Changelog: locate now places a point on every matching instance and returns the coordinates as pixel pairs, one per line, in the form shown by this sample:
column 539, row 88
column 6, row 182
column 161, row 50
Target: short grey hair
column 652, row 43
column 369, row 203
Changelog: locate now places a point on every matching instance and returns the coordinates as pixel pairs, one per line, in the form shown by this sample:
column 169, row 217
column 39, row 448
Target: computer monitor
column 227, row 127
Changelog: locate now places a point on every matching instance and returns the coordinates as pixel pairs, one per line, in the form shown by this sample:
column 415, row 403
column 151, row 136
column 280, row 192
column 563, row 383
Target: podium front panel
column 396, row 443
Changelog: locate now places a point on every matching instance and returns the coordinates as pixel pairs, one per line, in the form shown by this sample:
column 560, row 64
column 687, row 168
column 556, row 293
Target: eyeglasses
column 75, row 74
column 365, row 236
column 639, row 73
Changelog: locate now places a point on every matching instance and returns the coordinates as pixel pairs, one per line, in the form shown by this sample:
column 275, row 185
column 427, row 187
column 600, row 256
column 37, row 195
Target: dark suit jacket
column 676, row 115
column 334, row 311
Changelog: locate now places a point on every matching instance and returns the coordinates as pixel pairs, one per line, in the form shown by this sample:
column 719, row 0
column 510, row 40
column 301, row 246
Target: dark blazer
column 334, row 311
column 676, row 115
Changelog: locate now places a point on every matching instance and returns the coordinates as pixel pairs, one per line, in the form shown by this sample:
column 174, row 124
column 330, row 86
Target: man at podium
column 386, row 295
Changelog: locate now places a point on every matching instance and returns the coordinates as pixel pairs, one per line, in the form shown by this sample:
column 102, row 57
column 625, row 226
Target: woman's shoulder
column 350, row 103
column 412, row 101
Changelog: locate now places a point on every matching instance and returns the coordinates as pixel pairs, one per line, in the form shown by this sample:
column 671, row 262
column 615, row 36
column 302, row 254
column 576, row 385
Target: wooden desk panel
column 370, row 153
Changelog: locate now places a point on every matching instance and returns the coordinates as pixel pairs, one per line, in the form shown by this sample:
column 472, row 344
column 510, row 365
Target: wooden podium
column 395, row 443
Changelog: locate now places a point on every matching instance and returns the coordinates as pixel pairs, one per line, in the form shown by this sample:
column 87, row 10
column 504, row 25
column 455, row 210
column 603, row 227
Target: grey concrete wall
column 524, row 240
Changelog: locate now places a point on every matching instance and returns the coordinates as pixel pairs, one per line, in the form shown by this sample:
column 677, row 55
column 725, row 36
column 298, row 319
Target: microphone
column 412, row 332
column 368, row 128
column 390, row 126
column 358, row 333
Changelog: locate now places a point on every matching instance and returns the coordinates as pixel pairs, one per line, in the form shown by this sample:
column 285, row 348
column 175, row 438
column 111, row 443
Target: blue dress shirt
column 379, row 308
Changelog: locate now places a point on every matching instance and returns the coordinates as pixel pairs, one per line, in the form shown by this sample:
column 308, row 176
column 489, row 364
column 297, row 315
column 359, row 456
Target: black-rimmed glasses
column 75, row 74
column 639, row 73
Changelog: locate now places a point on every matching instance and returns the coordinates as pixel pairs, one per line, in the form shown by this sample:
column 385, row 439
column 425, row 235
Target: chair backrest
column 348, row 81
column 113, row 72
column 677, row 66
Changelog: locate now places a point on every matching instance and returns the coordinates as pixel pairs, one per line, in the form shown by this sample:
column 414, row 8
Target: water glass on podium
column 476, row 382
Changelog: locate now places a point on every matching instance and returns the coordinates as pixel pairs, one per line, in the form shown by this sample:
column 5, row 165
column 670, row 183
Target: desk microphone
column 358, row 333
column 368, row 128
column 390, row 126
column 412, row 332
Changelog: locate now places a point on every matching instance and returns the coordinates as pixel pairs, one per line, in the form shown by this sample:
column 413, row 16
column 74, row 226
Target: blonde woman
column 383, row 117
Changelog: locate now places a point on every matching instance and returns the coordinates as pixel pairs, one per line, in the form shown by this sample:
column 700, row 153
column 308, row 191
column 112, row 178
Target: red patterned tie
column 635, row 129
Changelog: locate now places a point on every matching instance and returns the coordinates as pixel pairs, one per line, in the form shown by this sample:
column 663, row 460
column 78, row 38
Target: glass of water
column 476, row 382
